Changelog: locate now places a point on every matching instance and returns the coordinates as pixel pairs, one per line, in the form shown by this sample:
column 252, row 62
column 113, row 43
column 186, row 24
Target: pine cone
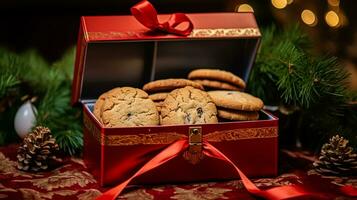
column 336, row 158
column 37, row 150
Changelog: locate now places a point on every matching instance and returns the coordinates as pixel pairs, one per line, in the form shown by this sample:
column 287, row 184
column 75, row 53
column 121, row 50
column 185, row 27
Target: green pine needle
column 70, row 141
column 301, row 79
column 7, row 82
column 29, row 74
column 285, row 73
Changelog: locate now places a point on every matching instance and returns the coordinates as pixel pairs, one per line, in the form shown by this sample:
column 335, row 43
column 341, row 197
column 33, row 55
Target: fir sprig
column 287, row 74
column 301, row 79
column 29, row 74
column 7, row 81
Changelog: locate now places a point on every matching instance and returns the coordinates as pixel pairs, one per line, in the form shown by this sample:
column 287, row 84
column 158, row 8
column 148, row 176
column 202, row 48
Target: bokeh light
column 244, row 8
column 280, row 4
column 309, row 17
column 332, row 19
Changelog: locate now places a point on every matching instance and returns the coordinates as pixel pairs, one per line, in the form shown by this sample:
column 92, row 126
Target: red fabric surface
column 72, row 181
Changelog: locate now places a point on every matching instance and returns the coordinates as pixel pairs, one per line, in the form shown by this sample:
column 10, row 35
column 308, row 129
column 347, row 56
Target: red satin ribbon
column 176, row 148
column 349, row 190
column 146, row 14
column 165, row 155
column 283, row 192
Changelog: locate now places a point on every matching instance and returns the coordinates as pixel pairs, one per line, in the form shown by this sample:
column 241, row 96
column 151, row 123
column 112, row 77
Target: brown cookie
column 236, row 100
column 216, row 74
column 129, row 106
column 159, row 105
column 237, row 114
column 158, row 96
column 217, row 85
column 97, row 110
column 169, row 85
column 98, row 106
column 188, row 106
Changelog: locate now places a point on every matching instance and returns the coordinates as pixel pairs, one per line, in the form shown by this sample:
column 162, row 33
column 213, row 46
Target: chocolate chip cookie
column 188, row 106
column 158, row 96
column 236, row 100
column 237, row 114
column 98, row 106
column 128, row 106
column 159, row 105
column 216, row 85
column 169, row 85
column 217, row 75
column 97, row 110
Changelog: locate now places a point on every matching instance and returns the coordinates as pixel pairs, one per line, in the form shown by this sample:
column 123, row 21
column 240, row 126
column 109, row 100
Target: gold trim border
column 142, row 139
column 170, row 137
column 225, row 32
column 92, row 129
column 196, row 33
column 240, row 134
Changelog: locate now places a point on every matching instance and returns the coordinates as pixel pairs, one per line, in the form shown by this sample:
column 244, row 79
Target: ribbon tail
column 284, row 192
column 165, row 155
column 349, row 190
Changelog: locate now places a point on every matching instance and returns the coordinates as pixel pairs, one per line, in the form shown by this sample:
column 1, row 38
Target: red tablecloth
column 72, row 181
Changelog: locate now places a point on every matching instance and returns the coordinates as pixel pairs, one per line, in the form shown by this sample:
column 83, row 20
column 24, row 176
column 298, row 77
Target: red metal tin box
column 117, row 51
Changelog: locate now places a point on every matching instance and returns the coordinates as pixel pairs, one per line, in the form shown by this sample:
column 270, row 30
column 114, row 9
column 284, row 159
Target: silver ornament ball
column 25, row 119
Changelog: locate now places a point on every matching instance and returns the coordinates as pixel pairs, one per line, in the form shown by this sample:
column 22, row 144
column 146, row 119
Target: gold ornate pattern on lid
column 113, row 35
column 225, row 32
column 196, row 33
column 243, row 133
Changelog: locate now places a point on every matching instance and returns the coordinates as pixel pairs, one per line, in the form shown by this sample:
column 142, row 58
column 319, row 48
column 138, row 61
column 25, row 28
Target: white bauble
column 25, row 119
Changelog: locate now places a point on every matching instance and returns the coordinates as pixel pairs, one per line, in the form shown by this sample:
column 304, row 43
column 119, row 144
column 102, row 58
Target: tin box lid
column 115, row 51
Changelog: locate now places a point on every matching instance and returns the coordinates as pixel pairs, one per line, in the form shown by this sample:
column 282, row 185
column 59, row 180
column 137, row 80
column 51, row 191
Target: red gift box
column 116, row 51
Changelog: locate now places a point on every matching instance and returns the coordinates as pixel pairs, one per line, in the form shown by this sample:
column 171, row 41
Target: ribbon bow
column 146, row 14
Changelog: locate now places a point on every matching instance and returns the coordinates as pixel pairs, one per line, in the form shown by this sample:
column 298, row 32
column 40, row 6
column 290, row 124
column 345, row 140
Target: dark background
column 51, row 26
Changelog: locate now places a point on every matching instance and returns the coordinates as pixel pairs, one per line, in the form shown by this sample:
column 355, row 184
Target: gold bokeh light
column 280, row 4
column 309, row 17
column 244, row 8
column 332, row 19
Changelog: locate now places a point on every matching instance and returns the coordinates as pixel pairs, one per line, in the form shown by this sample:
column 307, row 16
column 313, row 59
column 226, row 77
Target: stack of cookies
column 159, row 89
column 213, row 79
column 179, row 101
column 126, row 106
column 235, row 105
column 224, row 89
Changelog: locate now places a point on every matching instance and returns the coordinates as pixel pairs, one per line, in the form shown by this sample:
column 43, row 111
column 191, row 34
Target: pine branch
column 8, row 72
column 295, row 35
column 285, row 73
column 7, row 82
column 51, row 83
column 301, row 79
